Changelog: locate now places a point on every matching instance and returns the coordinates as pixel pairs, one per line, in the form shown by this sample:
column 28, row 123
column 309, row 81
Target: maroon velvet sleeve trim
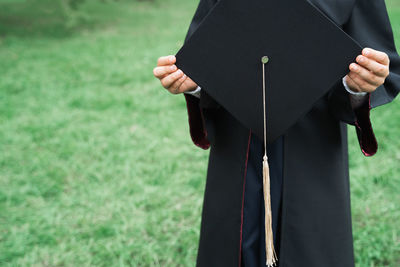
column 197, row 128
column 365, row 133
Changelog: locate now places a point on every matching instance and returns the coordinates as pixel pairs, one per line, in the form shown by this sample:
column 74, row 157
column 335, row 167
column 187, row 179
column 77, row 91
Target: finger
column 367, row 75
column 379, row 56
column 170, row 79
column 372, row 65
column 176, row 86
column 167, row 60
column 352, row 84
column 162, row 71
column 362, row 84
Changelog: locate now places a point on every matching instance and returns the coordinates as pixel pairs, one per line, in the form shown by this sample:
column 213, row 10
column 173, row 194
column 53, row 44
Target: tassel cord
column 265, row 111
column 271, row 257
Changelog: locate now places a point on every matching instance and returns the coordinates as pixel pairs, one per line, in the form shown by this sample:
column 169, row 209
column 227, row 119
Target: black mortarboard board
column 307, row 54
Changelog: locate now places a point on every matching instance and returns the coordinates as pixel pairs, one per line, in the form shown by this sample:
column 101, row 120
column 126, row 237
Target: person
column 310, row 190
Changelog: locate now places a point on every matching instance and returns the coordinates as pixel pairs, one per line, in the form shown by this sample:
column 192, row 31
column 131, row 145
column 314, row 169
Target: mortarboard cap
column 307, row 54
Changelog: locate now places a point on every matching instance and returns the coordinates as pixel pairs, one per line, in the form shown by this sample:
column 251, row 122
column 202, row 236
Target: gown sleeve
column 197, row 127
column 370, row 26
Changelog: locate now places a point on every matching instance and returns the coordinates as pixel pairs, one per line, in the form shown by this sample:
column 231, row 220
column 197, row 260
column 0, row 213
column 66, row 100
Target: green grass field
column 96, row 164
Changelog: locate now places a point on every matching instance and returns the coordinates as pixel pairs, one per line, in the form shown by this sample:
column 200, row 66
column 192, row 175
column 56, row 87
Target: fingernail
column 179, row 72
column 173, row 67
column 354, row 67
column 361, row 59
column 171, row 59
column 366, row 51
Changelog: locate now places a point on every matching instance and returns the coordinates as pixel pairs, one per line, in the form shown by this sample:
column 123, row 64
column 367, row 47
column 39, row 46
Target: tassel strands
column 270, row 253
column 271, row 257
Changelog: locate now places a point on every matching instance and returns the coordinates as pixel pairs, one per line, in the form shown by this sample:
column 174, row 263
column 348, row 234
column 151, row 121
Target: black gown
column 309, row 163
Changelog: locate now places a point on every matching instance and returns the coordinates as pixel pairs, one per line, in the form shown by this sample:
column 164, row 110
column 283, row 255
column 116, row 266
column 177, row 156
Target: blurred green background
column 96, row 164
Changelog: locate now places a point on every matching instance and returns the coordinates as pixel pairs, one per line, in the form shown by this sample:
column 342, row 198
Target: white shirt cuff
column 351, row 91
column 357, row 99
column 195, row 92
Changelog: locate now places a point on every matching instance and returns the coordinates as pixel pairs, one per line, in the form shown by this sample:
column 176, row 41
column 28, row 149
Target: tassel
column 270, row 254
column 271, row 257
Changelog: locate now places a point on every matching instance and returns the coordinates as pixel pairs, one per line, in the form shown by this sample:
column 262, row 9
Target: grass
column 96, row 163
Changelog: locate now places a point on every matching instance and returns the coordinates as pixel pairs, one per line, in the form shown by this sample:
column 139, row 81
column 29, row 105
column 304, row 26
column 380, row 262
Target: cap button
column 265, row 59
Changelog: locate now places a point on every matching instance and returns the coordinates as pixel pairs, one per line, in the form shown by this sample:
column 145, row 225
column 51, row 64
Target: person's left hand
column 370, row 72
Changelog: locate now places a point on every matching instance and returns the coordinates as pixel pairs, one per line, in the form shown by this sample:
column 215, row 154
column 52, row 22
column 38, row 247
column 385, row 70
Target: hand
column 172, row 78
column 370, row 72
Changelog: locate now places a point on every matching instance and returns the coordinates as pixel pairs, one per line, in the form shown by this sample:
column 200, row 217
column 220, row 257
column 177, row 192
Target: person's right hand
column 172, row 78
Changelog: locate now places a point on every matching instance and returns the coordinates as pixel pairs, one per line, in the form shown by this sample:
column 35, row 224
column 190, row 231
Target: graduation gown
column 315, row 220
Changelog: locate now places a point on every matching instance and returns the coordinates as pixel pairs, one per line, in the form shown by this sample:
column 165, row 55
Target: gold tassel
column 271, row 257
column 270, row 254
